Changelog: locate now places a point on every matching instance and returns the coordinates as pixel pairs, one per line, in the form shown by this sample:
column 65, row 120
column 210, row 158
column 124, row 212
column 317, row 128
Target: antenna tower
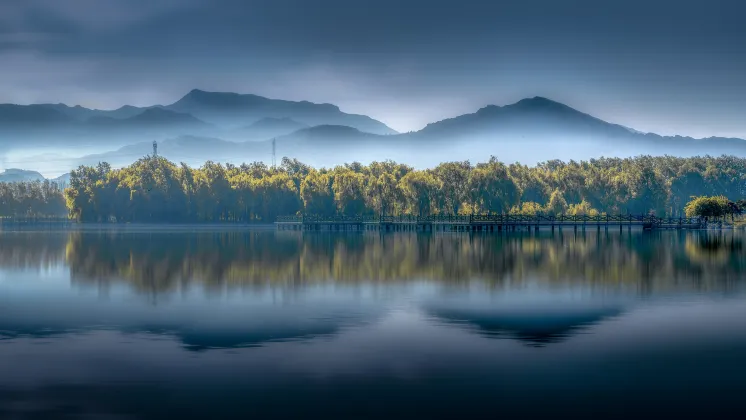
column 155, row 148
column 274, row 153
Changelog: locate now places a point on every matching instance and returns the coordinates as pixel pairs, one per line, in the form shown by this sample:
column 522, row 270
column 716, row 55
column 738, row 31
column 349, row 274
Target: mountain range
column 237, row 110
column 232, row 127
column 222, row 114
column 22, row 175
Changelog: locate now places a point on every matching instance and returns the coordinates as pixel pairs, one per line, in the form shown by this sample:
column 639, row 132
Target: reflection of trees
column 165, row 261
column 31, row 250
column 158, row 262
column 713, row 247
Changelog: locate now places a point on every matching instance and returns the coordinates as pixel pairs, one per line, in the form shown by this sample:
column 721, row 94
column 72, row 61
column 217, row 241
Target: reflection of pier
column 12, row 223
column 482, row 223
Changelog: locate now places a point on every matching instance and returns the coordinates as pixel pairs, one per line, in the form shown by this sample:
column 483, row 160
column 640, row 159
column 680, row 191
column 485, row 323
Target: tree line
column 31, row 199
column 154, row 189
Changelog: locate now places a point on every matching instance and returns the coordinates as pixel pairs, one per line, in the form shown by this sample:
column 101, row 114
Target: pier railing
column 499, row 219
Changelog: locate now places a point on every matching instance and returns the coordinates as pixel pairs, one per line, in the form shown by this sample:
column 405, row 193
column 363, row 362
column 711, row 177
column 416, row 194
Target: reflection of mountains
column 159, row 262
column 212, row 330
column 536, row 327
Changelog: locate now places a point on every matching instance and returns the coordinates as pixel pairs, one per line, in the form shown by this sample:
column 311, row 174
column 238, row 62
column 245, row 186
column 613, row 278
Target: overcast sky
column 668, row 66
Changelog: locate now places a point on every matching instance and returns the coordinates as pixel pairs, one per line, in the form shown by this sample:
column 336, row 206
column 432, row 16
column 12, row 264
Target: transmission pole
column 274, row 153
column 155, row 148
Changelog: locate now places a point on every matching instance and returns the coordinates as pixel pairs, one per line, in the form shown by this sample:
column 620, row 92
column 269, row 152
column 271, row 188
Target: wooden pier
column 482, row 223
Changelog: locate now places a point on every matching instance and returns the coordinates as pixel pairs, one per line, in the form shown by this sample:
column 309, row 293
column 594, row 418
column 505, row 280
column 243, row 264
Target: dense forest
column 31, row 199
column 156, row 190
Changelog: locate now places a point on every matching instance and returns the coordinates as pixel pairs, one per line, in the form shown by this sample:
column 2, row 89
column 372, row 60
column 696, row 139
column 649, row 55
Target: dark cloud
column 666, row 65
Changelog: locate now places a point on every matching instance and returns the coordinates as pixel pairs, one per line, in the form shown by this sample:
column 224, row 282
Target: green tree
column 349, row 188
column 421, row 192
column 317, row 195
column 491, row 189
column 278, row 196
column 557, row 203
column 382, row 193
column 453, row 177
column 709, row 207
column 583, row 208
column 528, row 208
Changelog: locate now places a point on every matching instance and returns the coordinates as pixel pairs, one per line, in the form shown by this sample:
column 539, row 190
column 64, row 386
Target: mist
column 235, row 128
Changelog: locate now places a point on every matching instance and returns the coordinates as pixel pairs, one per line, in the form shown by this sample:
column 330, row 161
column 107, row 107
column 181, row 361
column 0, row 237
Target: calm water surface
column 264, row 324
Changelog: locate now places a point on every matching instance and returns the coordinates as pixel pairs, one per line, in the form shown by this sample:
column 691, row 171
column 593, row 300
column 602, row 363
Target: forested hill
column 156, row 190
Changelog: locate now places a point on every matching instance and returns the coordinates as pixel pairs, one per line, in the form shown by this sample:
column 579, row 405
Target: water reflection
column 286, row 276
column 158, row 264
column 197, row 326
column 184, row 324
column 534, row 326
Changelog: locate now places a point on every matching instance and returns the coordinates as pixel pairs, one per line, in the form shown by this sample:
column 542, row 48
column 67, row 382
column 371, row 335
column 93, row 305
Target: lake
column 265, row 324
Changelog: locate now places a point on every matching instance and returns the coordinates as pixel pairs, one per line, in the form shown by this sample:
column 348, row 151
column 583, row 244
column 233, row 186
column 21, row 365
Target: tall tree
column 453, row 177
column 421, row 192
column 317, row 195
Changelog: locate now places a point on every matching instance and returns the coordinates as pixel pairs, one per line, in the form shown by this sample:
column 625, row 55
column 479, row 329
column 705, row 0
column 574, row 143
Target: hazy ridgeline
column 156, row 190
column 169, row 262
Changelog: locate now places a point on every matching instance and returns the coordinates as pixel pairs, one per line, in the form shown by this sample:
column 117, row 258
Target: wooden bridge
column 482, row 223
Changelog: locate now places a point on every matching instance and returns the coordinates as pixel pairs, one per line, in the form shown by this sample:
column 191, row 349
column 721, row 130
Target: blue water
column 263, row 324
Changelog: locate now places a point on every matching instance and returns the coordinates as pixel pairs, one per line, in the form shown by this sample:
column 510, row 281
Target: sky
column 664, row 66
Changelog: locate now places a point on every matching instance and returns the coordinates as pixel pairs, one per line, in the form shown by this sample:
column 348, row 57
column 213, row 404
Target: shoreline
column 228, row 227
column 134, row 227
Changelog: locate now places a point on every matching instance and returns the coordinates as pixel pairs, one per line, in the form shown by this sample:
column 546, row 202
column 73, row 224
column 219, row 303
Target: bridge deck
column 482, row 222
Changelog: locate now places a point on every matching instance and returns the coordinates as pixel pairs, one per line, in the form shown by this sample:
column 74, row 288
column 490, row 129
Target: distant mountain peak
column 240, row 99
column 226, row 99
column 19, row 175
column 529, row 115
column 10, row 171
column 535, row 103
column 37, row 115
column 489, row 109
column 238, row 109
column 331, row 129
column 128, row 107
column 198, row 93
column 540, row 102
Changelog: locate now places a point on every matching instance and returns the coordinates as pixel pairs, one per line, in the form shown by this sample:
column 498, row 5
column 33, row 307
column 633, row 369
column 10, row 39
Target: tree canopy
column 156, row 190
column 713, row 207
column 31, row 199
